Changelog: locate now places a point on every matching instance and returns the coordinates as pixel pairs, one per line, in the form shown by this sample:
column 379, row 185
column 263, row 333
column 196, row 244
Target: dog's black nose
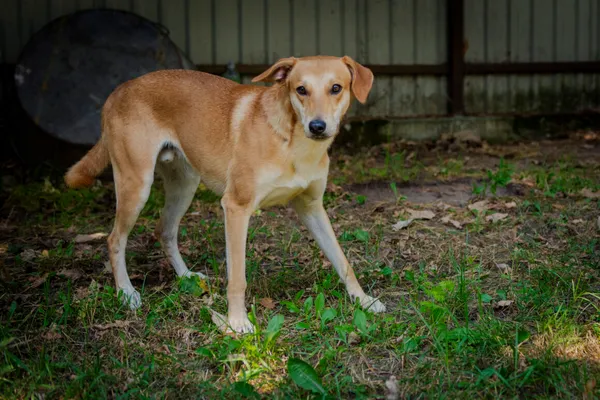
column 317, row 126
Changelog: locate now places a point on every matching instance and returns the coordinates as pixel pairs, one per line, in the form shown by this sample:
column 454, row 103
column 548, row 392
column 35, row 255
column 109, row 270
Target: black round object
column 68, row 68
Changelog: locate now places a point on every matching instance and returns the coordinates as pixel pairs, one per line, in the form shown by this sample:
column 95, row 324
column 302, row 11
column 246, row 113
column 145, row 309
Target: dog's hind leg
column 132, row 188
column 180, row 183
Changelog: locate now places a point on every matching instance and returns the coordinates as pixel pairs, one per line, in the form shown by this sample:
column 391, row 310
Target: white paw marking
column 371, row 304
column 131, row 298
column 240, row 324
column 190, row 274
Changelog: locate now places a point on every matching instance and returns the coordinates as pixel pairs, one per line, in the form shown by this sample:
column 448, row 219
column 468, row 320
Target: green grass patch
column 506, row 309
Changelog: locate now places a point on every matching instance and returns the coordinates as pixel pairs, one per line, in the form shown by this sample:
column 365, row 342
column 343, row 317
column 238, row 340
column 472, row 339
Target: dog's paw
column 371, row 304
column 240, row 324
column 190, row 274
column 131, row 298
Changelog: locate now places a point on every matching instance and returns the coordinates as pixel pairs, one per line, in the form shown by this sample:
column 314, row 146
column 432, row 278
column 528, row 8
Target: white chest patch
column 278, row 184
column 278, row 188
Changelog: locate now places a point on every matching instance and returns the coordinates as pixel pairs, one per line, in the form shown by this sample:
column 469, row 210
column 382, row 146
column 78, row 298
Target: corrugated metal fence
column 380, row 32
column 503, row 31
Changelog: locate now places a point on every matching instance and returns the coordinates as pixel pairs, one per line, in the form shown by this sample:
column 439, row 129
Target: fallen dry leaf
column 28, row 254
column 397, row 293
column 74, row 274
column 117, row 324
column 479, row 206
column 378, row 207
column 504, row 303
column 510, row 205
column 598, row 222
column 443, row 206
column 165, row 349
column 52, row 335
column 448, row 220
column 496, row 217
column 384, row 253
column 81, row 293
column 585, row 192
column 392, row 390
column 39, row 281
column 83, row 249
column 90, row 238
column 333, row 188
column 578, row 221
column 420, row 214
column 401, row 224
column 267, row 302
column 590, row 135
column 527, row 182
column 504, row 268
column 45, row 253
column 208, row 300
column 353, row 338
column 414, row 214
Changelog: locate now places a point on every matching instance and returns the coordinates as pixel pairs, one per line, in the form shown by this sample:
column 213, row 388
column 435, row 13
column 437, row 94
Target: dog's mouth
column 319, row 138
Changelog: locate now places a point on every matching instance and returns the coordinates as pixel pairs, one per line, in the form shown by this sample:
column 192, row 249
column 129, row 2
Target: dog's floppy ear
column 278, row 71
column 362, row 79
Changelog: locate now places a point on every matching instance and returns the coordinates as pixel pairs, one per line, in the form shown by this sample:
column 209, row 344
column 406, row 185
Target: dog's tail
column 84, row 172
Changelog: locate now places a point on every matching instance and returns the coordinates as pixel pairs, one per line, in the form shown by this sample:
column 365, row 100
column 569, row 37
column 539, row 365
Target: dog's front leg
column 311, row 212
column 237, row 218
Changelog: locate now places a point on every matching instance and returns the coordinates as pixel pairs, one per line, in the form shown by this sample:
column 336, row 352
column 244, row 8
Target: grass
column 504, row 309
column 499, row 178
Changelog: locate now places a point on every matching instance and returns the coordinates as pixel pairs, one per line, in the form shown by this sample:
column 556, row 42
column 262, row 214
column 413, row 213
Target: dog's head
column 320, row 89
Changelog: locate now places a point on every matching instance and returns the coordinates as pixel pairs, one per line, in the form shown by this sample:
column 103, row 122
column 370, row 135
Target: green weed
column 500, row 178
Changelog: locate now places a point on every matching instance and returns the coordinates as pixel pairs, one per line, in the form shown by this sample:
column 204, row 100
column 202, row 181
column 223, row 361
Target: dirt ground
column 487, row 258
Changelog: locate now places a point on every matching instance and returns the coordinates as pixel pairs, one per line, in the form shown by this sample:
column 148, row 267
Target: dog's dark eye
column 301, row 90
column 336, row 88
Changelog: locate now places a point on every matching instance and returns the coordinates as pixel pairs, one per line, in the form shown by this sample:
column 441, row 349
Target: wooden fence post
column 456, row 56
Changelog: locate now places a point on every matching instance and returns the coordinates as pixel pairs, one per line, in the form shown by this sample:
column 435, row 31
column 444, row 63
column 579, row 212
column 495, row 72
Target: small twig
column 22, row 342
column 8, row 217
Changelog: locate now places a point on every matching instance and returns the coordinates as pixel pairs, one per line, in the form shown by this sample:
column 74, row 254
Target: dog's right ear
column 278, row 71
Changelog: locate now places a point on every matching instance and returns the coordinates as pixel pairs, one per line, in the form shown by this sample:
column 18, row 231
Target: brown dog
column 255, row 146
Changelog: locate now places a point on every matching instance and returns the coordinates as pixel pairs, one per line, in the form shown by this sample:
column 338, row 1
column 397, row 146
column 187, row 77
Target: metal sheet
column 68, row 69
column 528, row 31
column 404, row 32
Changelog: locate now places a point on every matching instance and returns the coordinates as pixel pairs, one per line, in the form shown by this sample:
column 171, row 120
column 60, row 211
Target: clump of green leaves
column 499, row 178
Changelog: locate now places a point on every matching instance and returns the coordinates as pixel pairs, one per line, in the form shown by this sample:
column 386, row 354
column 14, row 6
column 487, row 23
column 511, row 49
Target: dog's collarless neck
column 278, row 110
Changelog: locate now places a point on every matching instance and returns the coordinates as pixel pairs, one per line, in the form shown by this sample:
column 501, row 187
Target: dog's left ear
column 362, row 79
column 278, row 71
